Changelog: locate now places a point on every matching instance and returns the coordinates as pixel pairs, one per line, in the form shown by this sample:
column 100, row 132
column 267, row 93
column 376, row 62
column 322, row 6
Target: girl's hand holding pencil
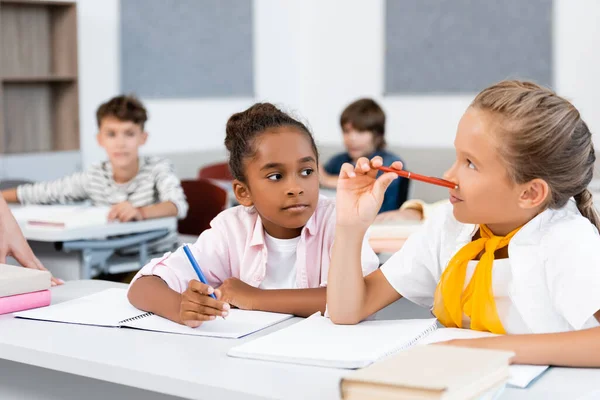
column 359, row 193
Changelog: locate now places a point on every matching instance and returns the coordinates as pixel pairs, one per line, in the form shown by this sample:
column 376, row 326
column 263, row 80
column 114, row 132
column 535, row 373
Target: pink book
column 27, row 301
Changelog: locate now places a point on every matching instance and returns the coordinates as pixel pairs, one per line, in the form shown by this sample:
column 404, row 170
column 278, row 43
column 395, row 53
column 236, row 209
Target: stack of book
column 431, row 372
column 23, row 288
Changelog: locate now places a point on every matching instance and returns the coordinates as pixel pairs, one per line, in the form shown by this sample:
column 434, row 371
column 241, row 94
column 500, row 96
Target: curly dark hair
column 243, row 128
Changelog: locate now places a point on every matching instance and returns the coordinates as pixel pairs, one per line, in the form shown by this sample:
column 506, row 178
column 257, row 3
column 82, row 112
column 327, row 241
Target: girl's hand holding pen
column 197, row 306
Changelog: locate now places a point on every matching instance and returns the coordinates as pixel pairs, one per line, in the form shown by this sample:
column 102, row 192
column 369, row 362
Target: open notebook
column 318, row 341
column 111, row 308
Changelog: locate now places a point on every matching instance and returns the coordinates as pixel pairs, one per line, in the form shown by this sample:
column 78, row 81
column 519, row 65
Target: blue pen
column 190, row 257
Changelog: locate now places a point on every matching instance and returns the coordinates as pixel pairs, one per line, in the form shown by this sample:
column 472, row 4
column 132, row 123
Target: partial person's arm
column 350, row 296
column 152, row 294
column 191, row 308
column 160, row 210
column 65, row 190
column 13, row 243
column 300, row 302
column 169, row 287
column 567, row 349
column 125, row 211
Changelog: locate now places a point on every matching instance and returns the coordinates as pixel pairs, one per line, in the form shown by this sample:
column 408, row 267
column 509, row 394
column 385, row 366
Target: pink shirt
column 235, row 247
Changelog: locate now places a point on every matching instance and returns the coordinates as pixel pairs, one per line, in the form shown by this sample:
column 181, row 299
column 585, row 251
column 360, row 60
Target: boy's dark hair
column 124, row 108
column 366, row 115
column 243, row 127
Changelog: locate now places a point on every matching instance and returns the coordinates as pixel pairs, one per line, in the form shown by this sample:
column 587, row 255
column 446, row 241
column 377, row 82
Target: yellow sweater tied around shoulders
column 477, row 300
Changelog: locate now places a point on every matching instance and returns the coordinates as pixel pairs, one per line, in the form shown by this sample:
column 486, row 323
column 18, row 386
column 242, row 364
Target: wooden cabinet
column 39, row 109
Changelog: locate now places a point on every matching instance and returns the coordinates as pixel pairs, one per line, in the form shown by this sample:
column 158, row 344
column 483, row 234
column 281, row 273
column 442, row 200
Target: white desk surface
column 50, row 234
column 198, row 367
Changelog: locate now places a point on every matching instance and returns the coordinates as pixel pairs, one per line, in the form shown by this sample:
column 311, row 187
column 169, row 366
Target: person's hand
column 197, row 306
column 125, row 212
column 238, row 293
column 13, row 243
column 408, row 214
column 359, row 193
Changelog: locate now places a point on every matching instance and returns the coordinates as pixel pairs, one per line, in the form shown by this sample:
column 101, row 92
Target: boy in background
column 363, row 128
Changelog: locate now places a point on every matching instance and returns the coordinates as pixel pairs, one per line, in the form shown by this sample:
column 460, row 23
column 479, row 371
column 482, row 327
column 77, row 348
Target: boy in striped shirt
column 137, row 187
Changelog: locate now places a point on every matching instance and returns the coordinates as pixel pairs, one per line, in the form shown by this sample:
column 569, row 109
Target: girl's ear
column 242, row 193
column 534, row 194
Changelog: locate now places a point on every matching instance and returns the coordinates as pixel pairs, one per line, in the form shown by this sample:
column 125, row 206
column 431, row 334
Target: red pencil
column 422, row 178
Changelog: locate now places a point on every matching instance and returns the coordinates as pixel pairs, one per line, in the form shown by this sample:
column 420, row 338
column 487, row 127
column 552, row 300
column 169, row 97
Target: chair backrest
column 12, row 183
column 403, row 191
column 205, row 200
column 219, row 171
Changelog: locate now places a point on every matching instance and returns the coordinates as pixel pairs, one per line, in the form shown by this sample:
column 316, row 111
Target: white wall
column 314, row 57
column 577, row 58
column 98, row 30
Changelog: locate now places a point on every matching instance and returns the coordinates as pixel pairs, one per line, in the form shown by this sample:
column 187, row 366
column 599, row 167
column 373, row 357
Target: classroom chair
column 12, row 183
column 403, row 189
column 218, row 171
column 206, row 200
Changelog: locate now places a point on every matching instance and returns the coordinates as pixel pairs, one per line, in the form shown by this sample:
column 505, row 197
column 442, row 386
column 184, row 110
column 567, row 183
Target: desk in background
column 61, row 361
column 81, row 252
column 386, row 238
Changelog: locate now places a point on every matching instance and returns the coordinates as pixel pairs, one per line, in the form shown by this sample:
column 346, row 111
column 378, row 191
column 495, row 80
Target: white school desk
column 45, row 360
column 66, row 254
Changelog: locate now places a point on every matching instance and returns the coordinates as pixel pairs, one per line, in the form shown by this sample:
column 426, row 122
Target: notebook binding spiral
column 135, row 318
column 414, row 341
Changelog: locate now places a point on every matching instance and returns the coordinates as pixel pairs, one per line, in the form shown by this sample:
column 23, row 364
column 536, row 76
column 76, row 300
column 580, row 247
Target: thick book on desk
column 18, row 280
column 110, row 308
column 520, row 375
column 318, row 341
column 430, row 372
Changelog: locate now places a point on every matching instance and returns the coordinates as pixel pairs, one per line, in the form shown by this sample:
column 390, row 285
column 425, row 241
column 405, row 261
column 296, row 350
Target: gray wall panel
column 461, row 46
column 187, row 48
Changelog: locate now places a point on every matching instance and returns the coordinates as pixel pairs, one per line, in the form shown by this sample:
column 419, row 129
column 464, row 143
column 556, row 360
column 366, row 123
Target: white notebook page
column 111, row 307
column 317, row 341
column 237, row 324
column 105, row 308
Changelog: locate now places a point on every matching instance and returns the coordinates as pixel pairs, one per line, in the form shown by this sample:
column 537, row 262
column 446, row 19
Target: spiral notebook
column 110, row 308
column 318, row 341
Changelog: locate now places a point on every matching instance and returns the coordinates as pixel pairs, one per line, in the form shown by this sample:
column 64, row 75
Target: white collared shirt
column 554, row 267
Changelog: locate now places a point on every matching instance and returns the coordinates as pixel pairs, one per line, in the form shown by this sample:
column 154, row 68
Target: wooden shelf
column 38, row 79
column 39, row 109
column 34, row 3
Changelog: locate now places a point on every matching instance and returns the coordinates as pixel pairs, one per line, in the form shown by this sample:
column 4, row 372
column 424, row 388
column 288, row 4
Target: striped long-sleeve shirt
column 155, row 182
